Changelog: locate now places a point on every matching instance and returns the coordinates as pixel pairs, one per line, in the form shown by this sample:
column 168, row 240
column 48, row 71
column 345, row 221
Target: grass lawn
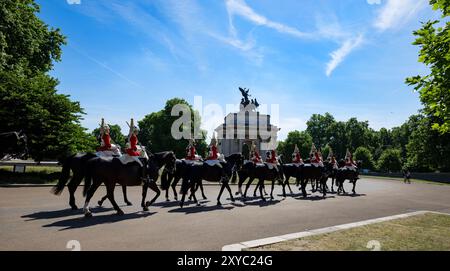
column 401, row 179
column 428, row 231
column 32, row 175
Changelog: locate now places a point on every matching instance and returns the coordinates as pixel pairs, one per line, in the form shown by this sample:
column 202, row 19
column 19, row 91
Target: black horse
column 171, row 179
column 347, row 174
column 13, row 145
column 77, row 163
column 315, row 174
column 164, row 159
column 199, row 171
column 110, row 170
column 262, row 172
column 291, row 171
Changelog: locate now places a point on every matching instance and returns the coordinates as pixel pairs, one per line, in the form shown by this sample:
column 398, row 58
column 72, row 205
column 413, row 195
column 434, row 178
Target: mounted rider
column 296, row 158
column 134, row 151
column 349, row 163
column 332, row 159
column 316, row 158
column 106, row 148
column 191, row 152
column 214, row 157
column 254, row 155
column 272, row 160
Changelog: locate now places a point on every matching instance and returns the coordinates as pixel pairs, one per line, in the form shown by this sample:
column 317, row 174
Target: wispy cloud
column 240, row 7
column 340, row 54
column 397, row 12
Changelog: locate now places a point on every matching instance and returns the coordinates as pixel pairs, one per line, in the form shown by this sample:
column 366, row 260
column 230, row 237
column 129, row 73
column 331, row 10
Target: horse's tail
column 64, row 177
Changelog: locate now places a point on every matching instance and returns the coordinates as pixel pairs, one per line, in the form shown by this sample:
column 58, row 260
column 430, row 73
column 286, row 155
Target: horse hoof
column 129, row 203
column 198, row 204
column 233, row 200
column 145, row 209
column 167, row 199
column 219, row 204
column 148, row 203
column 205, row 197
column 88, row 215
column 74, row 208
column 120, row 212
column 100, row 203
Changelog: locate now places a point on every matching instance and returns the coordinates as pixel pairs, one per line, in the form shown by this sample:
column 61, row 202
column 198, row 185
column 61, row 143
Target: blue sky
column 349, row 57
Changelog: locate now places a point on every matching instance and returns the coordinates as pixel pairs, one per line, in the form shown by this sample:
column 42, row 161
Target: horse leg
column 201, row 189
column 220, row 193
column 247, row 186
column 153, row 186
column 313, row 185
column 332, row 184
column 110, row 192
column 174, row 187
column 227, row 186
column 354, row 185
column 195, row 198
column 96, row 183
column 100, row 202
column 72, row 186
column 256, row 189
column 261, row 187
column 304, row 182
column 271, row 191
column 125, row 198
column 144, row 195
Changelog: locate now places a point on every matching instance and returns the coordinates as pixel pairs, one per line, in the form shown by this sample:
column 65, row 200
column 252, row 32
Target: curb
column 292, row 236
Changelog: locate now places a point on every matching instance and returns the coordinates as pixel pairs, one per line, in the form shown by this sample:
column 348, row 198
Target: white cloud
column 339, row 55
column 397, row 12
column 240, row 7
column 74, row 2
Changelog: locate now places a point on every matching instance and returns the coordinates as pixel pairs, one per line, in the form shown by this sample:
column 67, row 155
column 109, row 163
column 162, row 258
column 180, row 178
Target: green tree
column 434, row 88
column 427, row 150
column 303, row 140
column 116, row 135
column 318, row 126
column 155, row 130
column 28, row 97
column 364, row 155
column 390, row 160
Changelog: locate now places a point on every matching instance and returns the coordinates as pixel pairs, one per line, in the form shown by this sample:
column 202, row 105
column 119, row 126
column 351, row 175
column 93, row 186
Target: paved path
column 33, row 219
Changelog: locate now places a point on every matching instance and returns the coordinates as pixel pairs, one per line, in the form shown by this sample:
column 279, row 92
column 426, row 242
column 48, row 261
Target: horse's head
column 236, row 160
column 152, row 168
column 170, row 162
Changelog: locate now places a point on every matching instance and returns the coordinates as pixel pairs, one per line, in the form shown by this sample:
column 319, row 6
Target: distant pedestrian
column 406, row 176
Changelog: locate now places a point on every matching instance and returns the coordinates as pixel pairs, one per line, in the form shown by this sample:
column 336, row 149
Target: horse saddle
column 213, row 163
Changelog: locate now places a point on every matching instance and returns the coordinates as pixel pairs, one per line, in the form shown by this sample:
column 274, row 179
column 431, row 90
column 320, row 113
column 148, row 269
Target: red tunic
column 256, row 157
column 132, row 150
column 273, row 157
column 191, row 153
column 214, row 154
column 316, row 158
column 297, row 158
column 106, row 143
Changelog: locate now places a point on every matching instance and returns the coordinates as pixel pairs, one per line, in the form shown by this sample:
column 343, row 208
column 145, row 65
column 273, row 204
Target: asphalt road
column 33, row 219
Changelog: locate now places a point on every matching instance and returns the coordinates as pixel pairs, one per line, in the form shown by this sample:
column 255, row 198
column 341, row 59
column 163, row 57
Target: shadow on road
column 314, row 197
column 199, row 209
column 82, row 222
column 62, row 213
column 352, row 195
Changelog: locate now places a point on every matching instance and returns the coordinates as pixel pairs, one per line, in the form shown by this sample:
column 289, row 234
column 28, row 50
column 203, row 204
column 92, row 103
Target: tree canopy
column 434, row 88
column 155, row 130
column 29, row 100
